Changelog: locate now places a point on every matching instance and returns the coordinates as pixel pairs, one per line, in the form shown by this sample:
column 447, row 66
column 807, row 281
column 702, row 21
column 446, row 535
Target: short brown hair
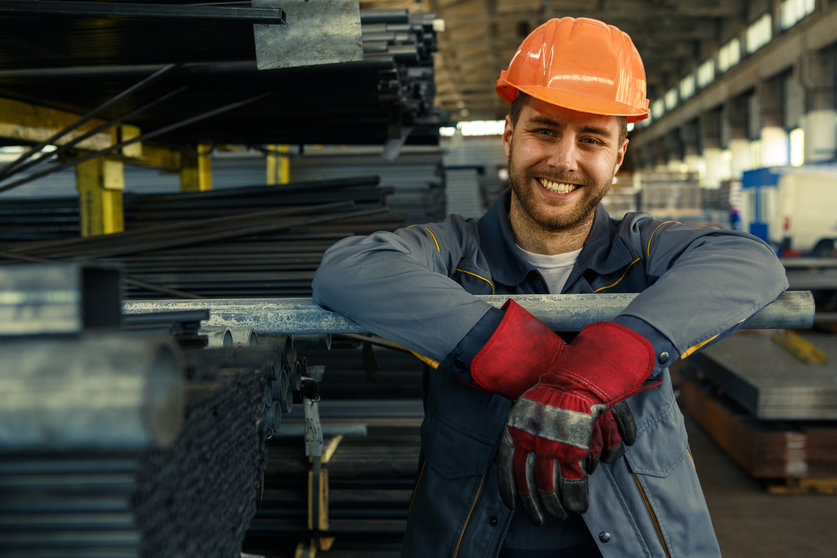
column 523, row 98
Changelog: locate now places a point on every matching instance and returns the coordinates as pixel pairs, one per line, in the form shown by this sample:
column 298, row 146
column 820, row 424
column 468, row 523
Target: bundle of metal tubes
column 132, row 441
column 256, row 241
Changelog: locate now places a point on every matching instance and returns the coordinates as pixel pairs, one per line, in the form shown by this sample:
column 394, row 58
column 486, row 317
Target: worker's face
column 561, row 163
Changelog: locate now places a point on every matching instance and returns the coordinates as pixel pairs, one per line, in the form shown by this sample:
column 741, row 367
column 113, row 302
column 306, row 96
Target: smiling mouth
column 557, row 187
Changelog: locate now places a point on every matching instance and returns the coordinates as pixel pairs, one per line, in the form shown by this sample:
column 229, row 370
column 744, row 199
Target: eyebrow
column 588, row 129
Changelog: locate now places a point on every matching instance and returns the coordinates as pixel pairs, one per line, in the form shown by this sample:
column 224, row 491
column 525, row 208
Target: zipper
column 504, row 534
column 653, row 516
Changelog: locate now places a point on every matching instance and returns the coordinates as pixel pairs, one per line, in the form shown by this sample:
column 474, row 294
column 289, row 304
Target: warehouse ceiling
column 78, row 59
column 481, row 36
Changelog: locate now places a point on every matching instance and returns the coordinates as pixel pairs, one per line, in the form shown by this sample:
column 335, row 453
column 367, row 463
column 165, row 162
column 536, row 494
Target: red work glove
column 550, row 442
column 519, row 352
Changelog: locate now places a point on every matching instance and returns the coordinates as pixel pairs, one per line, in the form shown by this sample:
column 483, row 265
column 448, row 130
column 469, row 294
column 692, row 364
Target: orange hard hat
column 581, row 64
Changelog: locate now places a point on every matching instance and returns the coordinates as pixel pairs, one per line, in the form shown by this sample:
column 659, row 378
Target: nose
column 563, row 155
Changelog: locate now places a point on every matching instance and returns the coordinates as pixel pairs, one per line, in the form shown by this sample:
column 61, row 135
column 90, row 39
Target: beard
column 558, row 216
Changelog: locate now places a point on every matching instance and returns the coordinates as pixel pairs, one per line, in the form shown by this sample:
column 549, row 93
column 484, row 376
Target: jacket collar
column 604, row 252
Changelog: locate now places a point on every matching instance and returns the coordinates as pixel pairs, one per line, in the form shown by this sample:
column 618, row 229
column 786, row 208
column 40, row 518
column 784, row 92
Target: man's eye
column 545, row 131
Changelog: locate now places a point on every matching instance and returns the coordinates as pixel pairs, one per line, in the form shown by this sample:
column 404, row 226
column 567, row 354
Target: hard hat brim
column 572, row 101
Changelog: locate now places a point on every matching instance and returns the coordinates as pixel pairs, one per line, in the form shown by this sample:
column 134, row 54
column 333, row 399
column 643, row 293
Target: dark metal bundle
column 385, row 94
column 196, row 498
column 30, row 219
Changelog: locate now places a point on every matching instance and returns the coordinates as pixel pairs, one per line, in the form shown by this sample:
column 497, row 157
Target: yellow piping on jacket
column 618, row 280
column 467, row 519
column 653, row 516
column 478, row 277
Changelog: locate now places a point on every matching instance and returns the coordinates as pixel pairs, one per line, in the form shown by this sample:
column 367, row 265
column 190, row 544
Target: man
column 531, row 446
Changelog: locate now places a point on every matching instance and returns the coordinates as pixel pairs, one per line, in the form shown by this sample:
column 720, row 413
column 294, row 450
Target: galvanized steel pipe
column 94, row 391
column 568, row 312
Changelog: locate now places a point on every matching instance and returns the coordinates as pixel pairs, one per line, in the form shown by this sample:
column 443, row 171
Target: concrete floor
column 752, row 522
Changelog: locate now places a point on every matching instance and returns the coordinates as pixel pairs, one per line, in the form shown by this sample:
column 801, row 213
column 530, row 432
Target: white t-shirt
column 555, row 269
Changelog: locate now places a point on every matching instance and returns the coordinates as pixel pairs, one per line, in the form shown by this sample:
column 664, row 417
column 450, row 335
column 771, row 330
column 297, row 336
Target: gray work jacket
column 416, row 286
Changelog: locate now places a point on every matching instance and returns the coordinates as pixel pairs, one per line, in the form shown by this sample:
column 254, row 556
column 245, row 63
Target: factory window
column 729, row 55
column 793, row 11
column 482, row 127
column 759, row 33
column 706, row 73
column 797, row 147
column 687, row 86
column 658, row 108
column 671, row 98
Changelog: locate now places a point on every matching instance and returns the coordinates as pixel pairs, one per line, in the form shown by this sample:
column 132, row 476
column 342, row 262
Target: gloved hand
column 550, row 443
column 519, row 352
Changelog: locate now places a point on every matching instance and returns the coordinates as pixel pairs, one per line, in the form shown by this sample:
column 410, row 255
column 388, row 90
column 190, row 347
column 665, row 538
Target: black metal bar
column 131, row 9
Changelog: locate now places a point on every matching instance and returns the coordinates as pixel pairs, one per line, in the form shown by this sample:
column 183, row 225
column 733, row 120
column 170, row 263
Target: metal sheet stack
column 772, row 412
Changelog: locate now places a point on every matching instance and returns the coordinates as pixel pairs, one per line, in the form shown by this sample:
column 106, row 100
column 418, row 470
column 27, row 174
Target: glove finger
column 527, row 492
column 574, row 495
column 610, row 455
column 613, row 448
column 597, row 448
column 624, row 421
column 504, row 461
column 550, row 500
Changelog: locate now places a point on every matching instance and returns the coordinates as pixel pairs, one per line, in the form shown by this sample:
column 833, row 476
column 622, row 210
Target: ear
column 507, row 135
column 620, row 156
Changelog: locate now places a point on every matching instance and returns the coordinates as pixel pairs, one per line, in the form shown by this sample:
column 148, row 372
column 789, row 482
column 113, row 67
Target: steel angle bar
column 316, row 33
column 57, row 298
column 570, row 312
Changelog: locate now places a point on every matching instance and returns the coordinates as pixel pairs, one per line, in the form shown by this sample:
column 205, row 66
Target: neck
column 533, row 237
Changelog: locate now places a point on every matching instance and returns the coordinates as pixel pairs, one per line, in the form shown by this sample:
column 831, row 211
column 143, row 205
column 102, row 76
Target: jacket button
column 663, row 357
column 604, row 536
column 493, row 521
column 459, row 363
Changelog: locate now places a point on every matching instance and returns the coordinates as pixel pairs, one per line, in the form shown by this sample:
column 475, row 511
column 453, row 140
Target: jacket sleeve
column 398, row 285
column 706, row 283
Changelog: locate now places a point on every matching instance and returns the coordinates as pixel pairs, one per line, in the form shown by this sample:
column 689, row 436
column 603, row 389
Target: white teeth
column 557, row 187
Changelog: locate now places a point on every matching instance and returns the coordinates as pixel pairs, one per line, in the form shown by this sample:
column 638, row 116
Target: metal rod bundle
column 249, row 241
column 386, row 96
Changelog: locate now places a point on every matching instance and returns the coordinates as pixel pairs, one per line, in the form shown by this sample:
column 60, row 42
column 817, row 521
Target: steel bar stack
column 251, row 241
column 385, row 97
column 134, row 441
